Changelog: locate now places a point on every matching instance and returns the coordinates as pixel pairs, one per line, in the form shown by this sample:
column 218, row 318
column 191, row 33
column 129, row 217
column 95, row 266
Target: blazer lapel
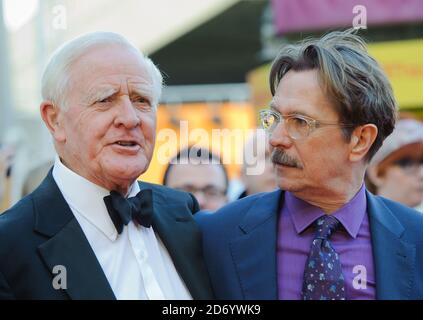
column 67, row 246
column 393, row 257
column 254, row 251
column 182, row 239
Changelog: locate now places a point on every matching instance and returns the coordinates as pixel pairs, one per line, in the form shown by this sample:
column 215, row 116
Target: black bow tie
column 123, row 210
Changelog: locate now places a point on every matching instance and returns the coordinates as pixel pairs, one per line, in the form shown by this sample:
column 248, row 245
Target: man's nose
column 280, row 137
column 127, row 114
column 201, row 199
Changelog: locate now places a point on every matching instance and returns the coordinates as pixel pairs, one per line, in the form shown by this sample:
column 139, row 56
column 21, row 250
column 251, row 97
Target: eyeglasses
column 409, row 165
column 208, row 191
column 297, row 126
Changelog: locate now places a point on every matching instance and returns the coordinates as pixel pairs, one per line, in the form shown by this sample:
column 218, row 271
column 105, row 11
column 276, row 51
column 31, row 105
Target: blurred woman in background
column 396, row 171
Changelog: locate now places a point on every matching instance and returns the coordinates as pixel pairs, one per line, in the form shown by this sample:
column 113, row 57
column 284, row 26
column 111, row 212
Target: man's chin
column 125, row 171
column 288, row 185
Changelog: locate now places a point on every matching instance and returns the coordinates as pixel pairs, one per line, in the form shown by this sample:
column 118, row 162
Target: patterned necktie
column 123, row 210
column 323, row 279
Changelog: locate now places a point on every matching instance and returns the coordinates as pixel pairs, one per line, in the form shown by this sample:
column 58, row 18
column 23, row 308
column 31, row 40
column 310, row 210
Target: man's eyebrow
column 272, row 105
column 100, row 93
column 210, row 186
column 143, row 90
column 301, row 113
column 186, row 185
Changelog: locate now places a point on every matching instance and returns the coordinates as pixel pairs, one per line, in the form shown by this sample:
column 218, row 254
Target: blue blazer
column 239, row 242
column 40, row 232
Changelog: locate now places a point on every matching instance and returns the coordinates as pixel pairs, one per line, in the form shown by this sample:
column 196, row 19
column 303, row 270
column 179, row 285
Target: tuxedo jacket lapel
column 393, row 257
column 181, row 237
column 254, row 250
column 67, row 245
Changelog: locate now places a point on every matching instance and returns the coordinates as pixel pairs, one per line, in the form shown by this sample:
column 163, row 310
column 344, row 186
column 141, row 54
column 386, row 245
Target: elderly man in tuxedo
column 90, row 230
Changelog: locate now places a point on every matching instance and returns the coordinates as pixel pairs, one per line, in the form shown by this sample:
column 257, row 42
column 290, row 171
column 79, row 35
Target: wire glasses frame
column 297, row 126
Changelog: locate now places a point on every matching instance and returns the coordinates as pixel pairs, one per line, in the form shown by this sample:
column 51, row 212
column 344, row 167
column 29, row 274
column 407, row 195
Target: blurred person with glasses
column 201, row 173
column 321, row 235
column 6, row 154
column 396, row 171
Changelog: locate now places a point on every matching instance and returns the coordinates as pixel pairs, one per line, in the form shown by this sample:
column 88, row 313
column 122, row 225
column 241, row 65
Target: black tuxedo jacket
column 41, row 232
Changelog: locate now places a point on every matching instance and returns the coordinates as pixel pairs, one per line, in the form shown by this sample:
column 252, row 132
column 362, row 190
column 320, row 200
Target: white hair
column 56, row 75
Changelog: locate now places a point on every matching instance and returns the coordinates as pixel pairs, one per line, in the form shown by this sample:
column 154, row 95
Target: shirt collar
column 87, row 198
column 350, row 215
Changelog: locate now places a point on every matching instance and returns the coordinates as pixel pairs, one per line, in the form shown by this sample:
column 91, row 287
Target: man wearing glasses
column 321, row 235
column 201, row 173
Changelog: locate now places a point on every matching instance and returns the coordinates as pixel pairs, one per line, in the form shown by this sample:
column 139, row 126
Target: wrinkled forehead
column 107, row 59
column 107, row 69
column 301, row 92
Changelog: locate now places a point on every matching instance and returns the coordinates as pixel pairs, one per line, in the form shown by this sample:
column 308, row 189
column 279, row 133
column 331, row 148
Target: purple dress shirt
column 352, row 242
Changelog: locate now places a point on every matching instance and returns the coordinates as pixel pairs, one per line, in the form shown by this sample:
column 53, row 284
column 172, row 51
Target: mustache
column 281, row 157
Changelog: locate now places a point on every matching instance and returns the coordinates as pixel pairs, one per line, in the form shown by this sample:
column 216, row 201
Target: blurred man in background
column 201, row 173
column 35, row 176
column 396, row 171
column 5, row 171
column 321, row 236
column 91, row 230
column 263, row 181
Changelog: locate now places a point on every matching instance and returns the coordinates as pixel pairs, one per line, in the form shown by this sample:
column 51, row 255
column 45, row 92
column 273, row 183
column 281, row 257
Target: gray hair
column 56, row 75
column 353, row 80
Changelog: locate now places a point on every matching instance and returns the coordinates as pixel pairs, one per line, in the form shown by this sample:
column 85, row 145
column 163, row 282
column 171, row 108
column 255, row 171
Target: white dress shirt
column 135, row 262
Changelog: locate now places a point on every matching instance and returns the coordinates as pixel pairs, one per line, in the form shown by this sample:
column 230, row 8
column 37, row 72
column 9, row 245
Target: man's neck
column 330, row 200
column 124, row 187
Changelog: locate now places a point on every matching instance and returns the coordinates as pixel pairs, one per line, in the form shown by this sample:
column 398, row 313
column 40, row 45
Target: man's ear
column 50, row 113
column 361, row 141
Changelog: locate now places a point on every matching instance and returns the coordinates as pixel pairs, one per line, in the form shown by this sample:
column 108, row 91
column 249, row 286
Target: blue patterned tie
column 323, row 279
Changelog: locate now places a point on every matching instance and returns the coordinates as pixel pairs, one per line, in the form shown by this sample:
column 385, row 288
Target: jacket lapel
column 254, row 250
column 182, row 239
column 393, row 257
column 67, row 245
